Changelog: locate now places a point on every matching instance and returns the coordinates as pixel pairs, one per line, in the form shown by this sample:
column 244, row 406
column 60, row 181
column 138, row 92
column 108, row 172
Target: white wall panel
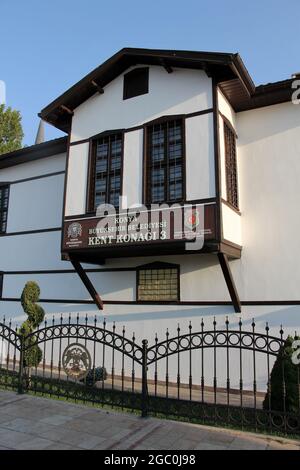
column 133, row 167
column 77, row 179
column 31, row 252
column 120, row 286
column 34, row 168
column 232, row 225
column 200, row 163
column 35, row 204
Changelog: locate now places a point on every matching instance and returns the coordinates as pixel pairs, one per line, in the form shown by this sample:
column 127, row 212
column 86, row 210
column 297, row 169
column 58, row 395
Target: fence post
column 144, row 378
column 21, row 364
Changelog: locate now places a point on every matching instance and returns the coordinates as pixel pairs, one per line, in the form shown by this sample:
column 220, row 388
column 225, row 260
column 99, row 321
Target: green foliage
column 284, row 362
column 30, row 295
column 11, row 132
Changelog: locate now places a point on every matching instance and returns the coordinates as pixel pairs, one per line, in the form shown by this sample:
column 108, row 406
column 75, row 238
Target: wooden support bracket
column 86, row 281
column 223, row 260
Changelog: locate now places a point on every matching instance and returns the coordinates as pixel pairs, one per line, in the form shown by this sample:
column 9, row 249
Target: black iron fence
column 214, row 376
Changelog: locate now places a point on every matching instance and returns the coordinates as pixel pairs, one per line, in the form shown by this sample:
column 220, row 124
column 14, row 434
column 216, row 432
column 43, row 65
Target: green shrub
column 30, row 295
column 284, row 361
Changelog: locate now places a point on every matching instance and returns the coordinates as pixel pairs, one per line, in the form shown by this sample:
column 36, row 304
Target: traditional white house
column 159, row 126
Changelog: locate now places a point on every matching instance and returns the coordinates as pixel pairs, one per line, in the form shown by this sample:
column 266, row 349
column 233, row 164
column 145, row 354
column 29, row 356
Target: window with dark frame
column 136, row 83
column 158, row 283
column 4, row 194
column 106, row 171
column 165, row 162
column 231, row 166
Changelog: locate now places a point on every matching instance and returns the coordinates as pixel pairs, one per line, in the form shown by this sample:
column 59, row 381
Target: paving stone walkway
column 28, row 422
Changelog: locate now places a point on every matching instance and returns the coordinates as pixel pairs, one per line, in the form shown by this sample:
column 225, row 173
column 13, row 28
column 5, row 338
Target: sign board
column 187, row 224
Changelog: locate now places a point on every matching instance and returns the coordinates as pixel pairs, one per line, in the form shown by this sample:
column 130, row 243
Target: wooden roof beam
column 167, row 67
column 66, row 109
column 98, row 87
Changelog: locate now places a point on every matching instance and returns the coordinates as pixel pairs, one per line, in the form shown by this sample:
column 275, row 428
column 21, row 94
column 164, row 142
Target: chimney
column 40, row 136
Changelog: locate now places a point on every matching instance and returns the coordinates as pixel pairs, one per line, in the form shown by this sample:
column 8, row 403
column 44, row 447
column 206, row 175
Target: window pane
column 108, row 164
column 231, row 168
column 158, row 285
column 165, row 162
column 3, row 207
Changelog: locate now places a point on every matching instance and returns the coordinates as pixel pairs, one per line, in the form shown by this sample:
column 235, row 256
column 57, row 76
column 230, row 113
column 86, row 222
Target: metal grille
column 231, row 166
column 106, row 176
column 4, row 192
column 165, row 162
column 158, row 284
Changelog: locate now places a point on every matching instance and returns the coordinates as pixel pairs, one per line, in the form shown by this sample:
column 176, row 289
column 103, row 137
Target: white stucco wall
column 35, row 204
column 181, row 92
column 133, row 168
column 77, row 179
column 35, row 168
column 232, row 225
column 200, row 163
column 269, row 173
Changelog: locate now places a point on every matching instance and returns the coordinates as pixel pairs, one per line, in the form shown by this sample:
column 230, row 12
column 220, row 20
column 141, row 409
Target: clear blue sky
column 47, row 46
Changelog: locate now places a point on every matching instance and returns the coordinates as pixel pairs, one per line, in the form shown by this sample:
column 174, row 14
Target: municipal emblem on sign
column 76, row 361
column 191, row 219
column 75, row 230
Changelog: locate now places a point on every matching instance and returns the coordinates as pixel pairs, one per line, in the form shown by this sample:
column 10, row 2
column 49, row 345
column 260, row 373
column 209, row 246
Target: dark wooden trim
column 1, row 284
column 165, row 65
column 228, row 204
column 195, row 303
column 199, row 113
column 218, row 179
column 30, row 232
column 90, row 177
column 47, row 175
column 231, row 249
column 210, row 200
column 98, row 87
column 223, row 66
column 79, row 142
column 69, row 271
column 226, row 120
column 86, row 281
column 67, row 110
column 230, row 282
column 34, row 152
column 140, row 127
column 65, row 192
